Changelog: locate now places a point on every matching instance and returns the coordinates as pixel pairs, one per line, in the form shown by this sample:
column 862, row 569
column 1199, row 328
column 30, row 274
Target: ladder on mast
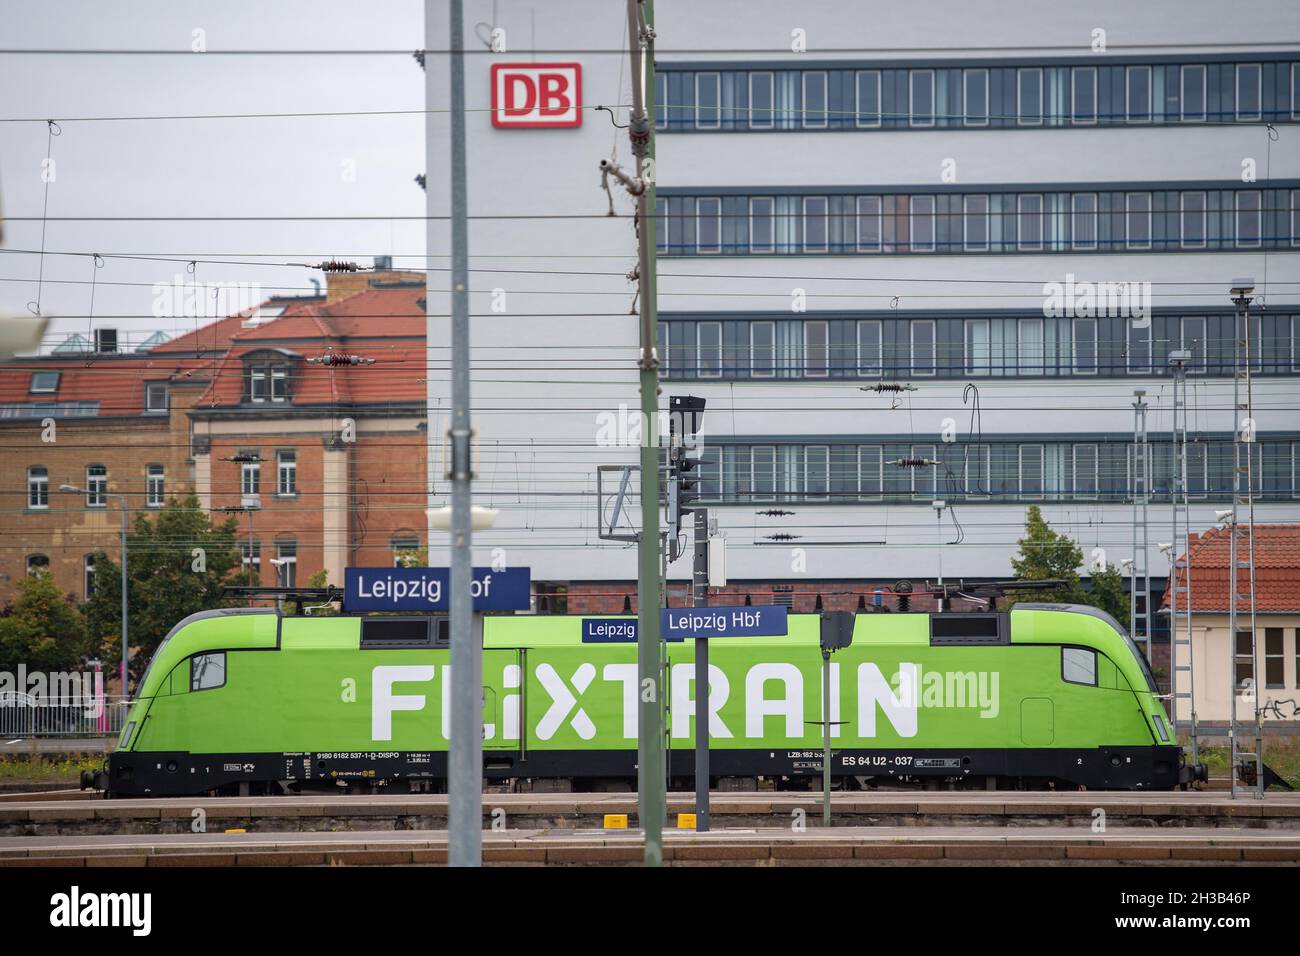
column 1182, row 673
column 1140, row 484
column 1241, row 531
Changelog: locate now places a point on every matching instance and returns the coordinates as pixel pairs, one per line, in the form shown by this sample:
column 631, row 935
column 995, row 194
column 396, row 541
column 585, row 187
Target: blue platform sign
column 429, row 589
column 683, row 622
column 614, row 630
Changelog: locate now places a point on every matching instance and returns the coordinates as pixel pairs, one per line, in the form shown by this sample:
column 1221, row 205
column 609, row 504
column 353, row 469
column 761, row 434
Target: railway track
column 1086, row 811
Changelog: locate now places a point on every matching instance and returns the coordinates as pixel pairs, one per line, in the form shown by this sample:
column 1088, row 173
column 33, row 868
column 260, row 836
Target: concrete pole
column 465, row 762
column 651, row 795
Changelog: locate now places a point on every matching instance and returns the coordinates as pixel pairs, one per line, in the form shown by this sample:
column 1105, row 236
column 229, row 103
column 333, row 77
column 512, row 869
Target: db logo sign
column 527, row 95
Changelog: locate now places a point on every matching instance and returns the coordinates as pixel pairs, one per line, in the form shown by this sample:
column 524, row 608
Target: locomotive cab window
column 208, row 671
column 1079, row 666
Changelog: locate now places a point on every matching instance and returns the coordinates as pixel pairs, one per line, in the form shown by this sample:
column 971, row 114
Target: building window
column 1085, row 346
column 661, row 100
column 1138, row 93
column 286, row 569
column 1029, row 221
column 1192, row 329
column 38, row 487
column 1248, row 218
column 155, row 397
column 869, row 220
column 96, row 486
column 708, row 225
column 88, row 576
column 815, row 223
column 708, row 345
column 975, row 229
column 762, row 224
column 1083, row 94
column 708, row 112
column 871, row 471
column 250, row 479
column 406, row 549
column 979, row 353
column 816, row 473
column 1245, row 659
column 1274, row 658
column 1029, row 96
column 1031, row 471
column 37, row 563
column 1295, row 217
column 816, row 348
column 268, row 382
column 762, row 349
column 922, row 335
column 975, row 97
column 1192, row 220
column 921, row 97
column 44, row 382
column 1083, row 220
column 1249, row 93
column 1029, row 346
column 1193, row 90
column 870, row 361
column 1085, row 471
column 868, row 98
column 921, row 221
column 763, row 469
column 153, row 487
column 1137, row 209
column 762, row 105
column 814, row 100
column 661, row 224
column 286, row 469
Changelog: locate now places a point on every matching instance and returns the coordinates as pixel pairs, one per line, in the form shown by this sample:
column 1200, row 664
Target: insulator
column 775, row 513
column 335, row 359
column 334, row 265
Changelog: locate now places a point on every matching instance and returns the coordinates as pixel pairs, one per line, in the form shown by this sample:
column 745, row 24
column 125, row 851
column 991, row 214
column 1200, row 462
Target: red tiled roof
column 1277, row 568
column 386, row 324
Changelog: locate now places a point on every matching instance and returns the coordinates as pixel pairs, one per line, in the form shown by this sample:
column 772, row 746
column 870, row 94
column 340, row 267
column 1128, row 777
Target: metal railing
column 26, row 715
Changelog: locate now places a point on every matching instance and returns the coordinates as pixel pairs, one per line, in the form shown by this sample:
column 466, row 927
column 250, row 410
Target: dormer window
column 44, row 382
column 266, row 378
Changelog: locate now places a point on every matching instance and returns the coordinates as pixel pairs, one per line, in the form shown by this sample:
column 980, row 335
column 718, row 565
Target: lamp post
column 74, row 490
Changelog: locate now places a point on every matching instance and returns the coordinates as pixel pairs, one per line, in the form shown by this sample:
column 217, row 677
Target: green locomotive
column 251, row 701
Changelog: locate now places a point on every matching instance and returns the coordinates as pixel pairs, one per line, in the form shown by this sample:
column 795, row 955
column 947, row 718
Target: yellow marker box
column 616, row 821
column 686, row 821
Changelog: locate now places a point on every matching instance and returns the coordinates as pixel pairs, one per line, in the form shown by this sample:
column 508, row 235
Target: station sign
column 708, row 622
column 613, row 630
column 536, row 95
column 429, row 589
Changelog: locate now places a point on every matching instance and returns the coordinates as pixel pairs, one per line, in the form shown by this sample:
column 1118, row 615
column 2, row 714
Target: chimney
column 383, row 263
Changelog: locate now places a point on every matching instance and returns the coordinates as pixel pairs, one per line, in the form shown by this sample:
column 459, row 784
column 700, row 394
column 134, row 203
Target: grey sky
column 255, row 167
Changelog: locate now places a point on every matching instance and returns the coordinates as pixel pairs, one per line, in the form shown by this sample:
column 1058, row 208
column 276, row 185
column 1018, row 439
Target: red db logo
column 526, row 95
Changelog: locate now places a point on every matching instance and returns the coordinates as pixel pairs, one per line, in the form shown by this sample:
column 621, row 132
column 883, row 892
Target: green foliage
column 1109, row 595
column 1046, row 554
column 319, row 580
column 166, row 579
column 43, row 628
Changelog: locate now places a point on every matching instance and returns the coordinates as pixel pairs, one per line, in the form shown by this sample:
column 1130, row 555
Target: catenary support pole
column 651, row 796
column 126, row 693
column 465, row 766
column 700, row 598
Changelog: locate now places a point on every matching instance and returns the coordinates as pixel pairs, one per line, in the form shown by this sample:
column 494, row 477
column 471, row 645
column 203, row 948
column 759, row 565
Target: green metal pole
column 826, row 738
column 652, row 798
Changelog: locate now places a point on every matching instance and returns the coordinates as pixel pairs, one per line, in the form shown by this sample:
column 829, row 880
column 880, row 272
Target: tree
column 1046, row 555
column 43, row 628
column 1108, row 593
column 177, row 564
column 319, row 580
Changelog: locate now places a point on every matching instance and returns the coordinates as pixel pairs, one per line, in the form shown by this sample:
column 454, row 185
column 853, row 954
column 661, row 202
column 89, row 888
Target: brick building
column 331, row 468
